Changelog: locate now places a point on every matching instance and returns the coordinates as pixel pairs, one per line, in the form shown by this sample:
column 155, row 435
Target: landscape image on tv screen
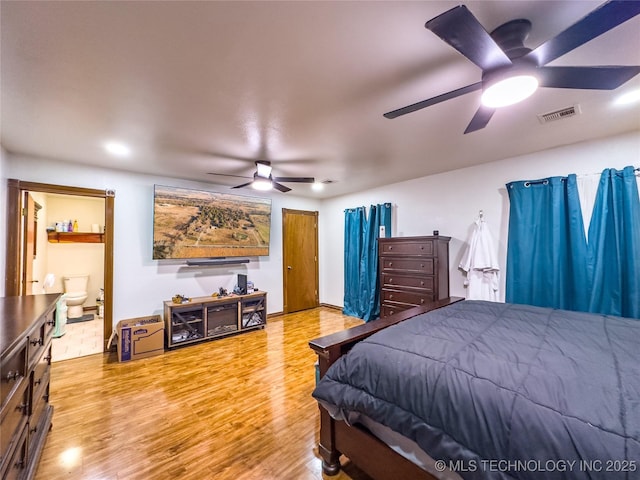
column 198, row 224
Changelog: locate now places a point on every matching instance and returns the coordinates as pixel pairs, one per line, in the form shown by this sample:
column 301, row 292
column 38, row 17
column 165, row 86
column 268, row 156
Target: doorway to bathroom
column 44, row 256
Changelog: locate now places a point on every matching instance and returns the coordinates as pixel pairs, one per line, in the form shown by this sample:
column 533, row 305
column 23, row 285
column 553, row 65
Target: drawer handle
column 421, row 300
column 19, row 464
column 51, row 322
column 12, row 375
column 422, row 265
column 36, row 342
column 23, row 407
column 390, row 296
column 33, row 430
column 391, row 312
column 37, row 382
column 48, row 359
column 391, row 264
column 390, row 247
column 421, row 247
column 421, row 283
column 391, row 280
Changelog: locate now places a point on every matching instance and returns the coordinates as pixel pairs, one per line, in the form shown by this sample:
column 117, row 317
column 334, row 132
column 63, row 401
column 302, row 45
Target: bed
column 475, row 390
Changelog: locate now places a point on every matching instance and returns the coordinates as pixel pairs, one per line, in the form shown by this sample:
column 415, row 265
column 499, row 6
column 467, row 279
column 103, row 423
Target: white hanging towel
column 481, row 264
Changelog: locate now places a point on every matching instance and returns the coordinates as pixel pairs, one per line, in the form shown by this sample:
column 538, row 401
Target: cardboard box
column 140, row 338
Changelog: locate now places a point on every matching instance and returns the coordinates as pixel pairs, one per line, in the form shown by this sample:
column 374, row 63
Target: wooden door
column 300, row 259
column 29, row 245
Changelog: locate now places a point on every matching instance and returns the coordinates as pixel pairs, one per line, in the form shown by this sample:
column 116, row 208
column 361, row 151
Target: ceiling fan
column 263, row 180
column 510, row 68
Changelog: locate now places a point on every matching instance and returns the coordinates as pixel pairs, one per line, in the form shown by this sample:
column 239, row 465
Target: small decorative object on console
column 180, row 299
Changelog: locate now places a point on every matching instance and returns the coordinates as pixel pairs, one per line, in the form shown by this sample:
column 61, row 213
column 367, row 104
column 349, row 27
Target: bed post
column 327, row 445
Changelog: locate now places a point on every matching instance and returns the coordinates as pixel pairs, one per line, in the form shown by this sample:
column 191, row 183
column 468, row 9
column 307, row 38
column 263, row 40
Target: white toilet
column 75, row 287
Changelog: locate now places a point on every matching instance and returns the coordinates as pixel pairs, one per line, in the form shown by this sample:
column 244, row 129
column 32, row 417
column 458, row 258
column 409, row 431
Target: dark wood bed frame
column 336, row 437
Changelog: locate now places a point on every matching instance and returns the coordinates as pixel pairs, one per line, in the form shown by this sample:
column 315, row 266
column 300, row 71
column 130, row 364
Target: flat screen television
column 190, row 224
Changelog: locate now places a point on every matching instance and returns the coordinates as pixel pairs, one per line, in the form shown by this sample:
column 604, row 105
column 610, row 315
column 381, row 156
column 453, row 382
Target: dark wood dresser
column 26, row 330
column 413, row 271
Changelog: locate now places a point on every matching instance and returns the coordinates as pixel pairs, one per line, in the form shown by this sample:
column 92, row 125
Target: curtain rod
column 599, row 173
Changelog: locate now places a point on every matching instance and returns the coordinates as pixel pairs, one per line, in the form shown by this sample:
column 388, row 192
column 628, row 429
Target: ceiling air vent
column 567, row 112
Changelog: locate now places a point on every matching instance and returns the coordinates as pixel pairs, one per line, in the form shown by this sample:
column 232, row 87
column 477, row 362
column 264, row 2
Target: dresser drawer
column 49, row 323
column 40, row 402
column 405, row 281
column 12, row 371
column 390, row 309
column 12, row 415
column 40, row 377
column 424, row 266
column 422, row 247
column 406, row 297
column 42, row 367
column 14, row 466
column 37, row 341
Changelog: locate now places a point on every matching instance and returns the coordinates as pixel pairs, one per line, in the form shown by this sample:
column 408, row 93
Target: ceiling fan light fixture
column 260, row 183
column 264, row 170
column 509, row 91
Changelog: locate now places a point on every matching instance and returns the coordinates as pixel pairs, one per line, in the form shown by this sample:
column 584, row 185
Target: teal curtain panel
column 547, row 247
column 614, row 245
column 353, row 228
column 361, row 269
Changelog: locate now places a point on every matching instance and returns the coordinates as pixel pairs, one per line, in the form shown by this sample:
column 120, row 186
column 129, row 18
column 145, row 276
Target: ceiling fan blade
column 599, row 21
column 295, row 179
column 227, row 175
column 591, row 78
column 281, row 188
column 460, row 29
column 243, row 185
column 480, row 119
column 432, row 101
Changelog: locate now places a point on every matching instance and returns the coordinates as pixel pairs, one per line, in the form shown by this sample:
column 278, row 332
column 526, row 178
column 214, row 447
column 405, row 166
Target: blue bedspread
column 503, row 391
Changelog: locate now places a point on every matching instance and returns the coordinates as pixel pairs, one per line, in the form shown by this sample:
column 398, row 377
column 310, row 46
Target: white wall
column 140, row 283
column 450, row 203
column 3, row 217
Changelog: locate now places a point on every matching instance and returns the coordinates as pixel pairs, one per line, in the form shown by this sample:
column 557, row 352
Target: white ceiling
column 197, row 87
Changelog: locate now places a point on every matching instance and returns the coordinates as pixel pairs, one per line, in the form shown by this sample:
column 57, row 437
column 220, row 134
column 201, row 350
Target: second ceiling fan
column 264, row 180
column 507, row 63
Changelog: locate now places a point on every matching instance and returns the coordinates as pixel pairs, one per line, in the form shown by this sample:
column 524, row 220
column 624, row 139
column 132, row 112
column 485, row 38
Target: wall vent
column 567, row 112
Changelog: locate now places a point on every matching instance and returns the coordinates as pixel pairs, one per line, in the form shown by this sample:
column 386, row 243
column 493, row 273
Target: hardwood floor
column 235, row 408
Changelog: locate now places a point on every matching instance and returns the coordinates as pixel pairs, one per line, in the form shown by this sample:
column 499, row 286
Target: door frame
column 15, row 195
column 30, row 232
column 285, row 212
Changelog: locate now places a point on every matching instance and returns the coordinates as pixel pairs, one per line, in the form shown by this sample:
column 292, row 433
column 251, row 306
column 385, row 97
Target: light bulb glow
column 317, row 186
column 117, row 149
column 509, row 91
column 262, row 184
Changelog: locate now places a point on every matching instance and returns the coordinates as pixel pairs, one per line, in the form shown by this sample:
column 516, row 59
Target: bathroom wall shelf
column 75, row 237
